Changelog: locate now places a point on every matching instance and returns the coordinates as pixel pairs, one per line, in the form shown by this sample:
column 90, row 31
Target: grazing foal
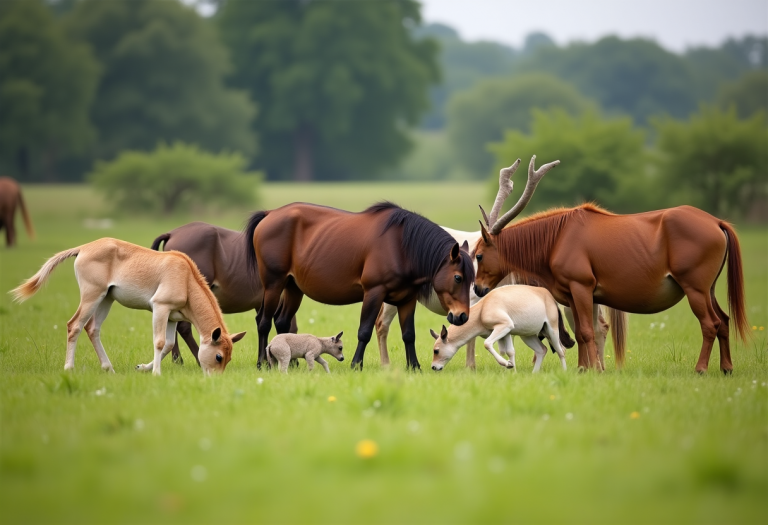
column 525, row 311
column 168, row 284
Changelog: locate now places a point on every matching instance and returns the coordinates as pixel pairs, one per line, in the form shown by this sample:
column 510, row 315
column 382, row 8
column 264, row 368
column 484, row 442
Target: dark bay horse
column 382, row 254
column 219, row 253
column 10, row 199
column 642, row 263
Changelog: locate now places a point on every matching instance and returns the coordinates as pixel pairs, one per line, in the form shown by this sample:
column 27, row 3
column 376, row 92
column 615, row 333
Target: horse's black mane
column 425, row 243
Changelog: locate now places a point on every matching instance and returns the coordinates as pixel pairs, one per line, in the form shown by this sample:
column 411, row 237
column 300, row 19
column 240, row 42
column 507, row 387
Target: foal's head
column 216, row 350
column 452, row 283
column 443, row 350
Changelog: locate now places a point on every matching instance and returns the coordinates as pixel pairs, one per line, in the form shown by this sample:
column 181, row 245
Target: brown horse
column 10, row 198
column 220, row 255
column 383, row 254
column 642, row 263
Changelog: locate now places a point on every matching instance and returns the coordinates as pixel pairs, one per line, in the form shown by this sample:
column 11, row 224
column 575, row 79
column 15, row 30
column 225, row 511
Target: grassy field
column 654, row 443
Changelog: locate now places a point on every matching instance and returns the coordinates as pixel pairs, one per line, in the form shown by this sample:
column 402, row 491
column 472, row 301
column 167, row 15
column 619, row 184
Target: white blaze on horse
column 168, row 284
column 525, row 311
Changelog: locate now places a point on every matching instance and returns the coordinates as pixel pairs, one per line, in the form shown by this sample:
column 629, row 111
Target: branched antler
column 495, row 225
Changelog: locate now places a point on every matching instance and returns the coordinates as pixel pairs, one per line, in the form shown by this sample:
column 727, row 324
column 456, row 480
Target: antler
column 495, row 225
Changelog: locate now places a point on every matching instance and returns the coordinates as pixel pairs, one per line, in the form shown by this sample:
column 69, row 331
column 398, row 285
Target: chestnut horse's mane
column 425, row 244
column 524, row 247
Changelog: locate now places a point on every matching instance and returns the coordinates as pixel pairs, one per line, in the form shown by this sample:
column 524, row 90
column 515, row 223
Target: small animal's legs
column 506, row 346
column 89, row 302
column 93, row 329
column 323, row 363
column 164, row 334
column 372, row 301
column 471, row 354
column 498, row 333
column 383, row 321
column 540, row 351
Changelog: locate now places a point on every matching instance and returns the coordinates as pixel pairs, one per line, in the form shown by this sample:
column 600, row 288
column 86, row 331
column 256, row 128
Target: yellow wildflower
column 366, row 449
column 635, row 415
column 331, row 399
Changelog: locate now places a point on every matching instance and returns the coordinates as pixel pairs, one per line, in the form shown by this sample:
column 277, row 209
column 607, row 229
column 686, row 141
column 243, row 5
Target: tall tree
column 163, row 78
column 748, row 95
column 483, row 113
column 336, row 82
column 47, row 83
column 720, row 160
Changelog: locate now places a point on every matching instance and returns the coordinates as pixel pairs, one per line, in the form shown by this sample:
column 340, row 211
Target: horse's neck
column 461, row 335
column 200, row 310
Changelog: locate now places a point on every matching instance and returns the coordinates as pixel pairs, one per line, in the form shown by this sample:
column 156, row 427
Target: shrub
column 170, row 178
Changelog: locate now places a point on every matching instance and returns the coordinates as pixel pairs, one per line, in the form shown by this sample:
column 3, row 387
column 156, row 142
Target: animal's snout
column 481, row 292
column 457, row 320
column 341, row 358
column 436, row 368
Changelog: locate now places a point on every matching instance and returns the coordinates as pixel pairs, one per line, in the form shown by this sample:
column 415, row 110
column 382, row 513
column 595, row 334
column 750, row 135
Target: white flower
column 199, row 473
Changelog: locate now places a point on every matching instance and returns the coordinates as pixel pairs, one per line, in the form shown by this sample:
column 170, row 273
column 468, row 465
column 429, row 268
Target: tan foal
column 166, row 283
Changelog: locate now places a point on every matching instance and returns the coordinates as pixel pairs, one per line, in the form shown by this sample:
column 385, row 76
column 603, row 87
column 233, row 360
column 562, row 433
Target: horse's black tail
column 156, row 244
column 250, row 227
column 565, row 337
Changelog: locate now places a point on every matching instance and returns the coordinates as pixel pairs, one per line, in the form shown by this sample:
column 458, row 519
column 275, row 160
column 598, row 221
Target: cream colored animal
column 166, row 283
column 525, row 311
column 285, row 347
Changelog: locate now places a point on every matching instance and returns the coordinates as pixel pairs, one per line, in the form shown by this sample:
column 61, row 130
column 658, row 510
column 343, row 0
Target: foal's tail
column 30, row 287
column 25, row 216
column 565, row 337
column 735, row 282
column 157, row 243
column 250, row 252
column 618, row 324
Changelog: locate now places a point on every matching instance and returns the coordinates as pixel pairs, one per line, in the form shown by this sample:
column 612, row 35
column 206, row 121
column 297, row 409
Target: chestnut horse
column 642, row 263
column 382, row 254
column 10, row 199
column 219, row 254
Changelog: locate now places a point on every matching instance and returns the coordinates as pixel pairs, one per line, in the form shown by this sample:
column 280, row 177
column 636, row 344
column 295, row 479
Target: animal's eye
column 457, row 278
column 437, row 352
column 218, row 358
column 479, row 257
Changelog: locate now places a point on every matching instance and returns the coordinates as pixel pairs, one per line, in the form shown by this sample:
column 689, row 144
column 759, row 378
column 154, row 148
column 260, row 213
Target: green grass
column 455, row 447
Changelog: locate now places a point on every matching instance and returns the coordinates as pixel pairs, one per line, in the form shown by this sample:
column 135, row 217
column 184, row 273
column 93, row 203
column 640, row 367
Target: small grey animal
column 285, row 347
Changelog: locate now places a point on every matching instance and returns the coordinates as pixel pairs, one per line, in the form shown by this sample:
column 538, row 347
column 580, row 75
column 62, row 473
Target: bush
column 173, row 177
column 602, row 160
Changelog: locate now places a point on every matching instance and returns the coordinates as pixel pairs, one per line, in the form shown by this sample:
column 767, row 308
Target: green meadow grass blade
column 653, row 443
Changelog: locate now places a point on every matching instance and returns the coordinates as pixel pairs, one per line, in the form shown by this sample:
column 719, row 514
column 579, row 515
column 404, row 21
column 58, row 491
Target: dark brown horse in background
column 383, row 254
column 10, row 199
column 642, row 263
column 220, row 255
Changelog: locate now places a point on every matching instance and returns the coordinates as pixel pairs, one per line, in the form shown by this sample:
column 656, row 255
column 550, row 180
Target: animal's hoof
column 510, row 365
column 727, row 372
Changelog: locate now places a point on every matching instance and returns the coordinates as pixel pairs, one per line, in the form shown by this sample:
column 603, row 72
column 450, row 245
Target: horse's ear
column 215, row 335
column 444, row 333
column 338, row 337
column 455, row 252
column 433, row 334
column 237, row 337
column 485, row 234
column 465, row 246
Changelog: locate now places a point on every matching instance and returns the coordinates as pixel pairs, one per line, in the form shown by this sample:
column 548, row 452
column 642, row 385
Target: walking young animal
column 285, row 347
column 642, row 263
column 526, row 311
column 431, row 303
column 219, row 254
column 168, row 284
column 382, row 254
column 10, row 199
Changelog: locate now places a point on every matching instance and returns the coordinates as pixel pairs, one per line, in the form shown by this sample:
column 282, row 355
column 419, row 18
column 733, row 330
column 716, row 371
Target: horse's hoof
column 727, row 372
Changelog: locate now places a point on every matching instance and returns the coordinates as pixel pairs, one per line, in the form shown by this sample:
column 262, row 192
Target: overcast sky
column 675, row 24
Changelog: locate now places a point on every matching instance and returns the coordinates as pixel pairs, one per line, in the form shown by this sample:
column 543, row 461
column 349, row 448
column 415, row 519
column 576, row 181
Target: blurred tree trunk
column 303, row 161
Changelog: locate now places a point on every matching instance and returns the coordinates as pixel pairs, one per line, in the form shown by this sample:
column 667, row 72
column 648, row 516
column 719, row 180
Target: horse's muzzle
column 481, row 292
column 457, row 320
column 434, row 367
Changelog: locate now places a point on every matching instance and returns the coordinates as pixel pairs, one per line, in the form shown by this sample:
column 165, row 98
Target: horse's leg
column 406, row 315
column 372, row 301
column 600, row 329
column 10, row 230
column 175, row 353
column 93, row 329
column 163, row 338
column 539, row 350
column 701, row 304
column 290, row 304
column 90, row 298
column 507, row 347
column 582, row 313
column 273, row 288
column 185, row 330
column 383, row 321
column 471, row 353
column 500, row 331
column 723, row 336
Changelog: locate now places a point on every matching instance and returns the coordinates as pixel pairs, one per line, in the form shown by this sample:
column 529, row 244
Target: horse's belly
column 648, row 300
column 135, row 298
column 331, row 293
